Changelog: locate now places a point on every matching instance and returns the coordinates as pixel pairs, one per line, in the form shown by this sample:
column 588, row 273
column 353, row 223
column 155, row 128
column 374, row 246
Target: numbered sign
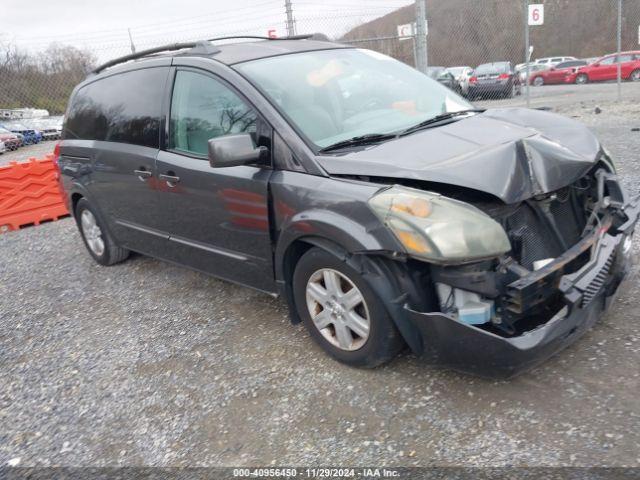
column 405, row 31
column 536, row 14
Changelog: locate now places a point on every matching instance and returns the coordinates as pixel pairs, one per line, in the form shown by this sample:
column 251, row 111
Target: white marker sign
column 405, row 31
column 536, row 14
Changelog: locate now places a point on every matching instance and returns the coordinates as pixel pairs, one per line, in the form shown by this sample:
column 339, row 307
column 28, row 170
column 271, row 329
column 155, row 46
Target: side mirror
column 596, row 65
column 234, row 150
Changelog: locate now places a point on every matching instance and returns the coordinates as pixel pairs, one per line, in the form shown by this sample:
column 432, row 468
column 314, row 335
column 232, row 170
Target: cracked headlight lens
column 437, row 228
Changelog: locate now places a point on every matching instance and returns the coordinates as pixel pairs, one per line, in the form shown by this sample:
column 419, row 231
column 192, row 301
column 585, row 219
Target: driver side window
column 203, row 108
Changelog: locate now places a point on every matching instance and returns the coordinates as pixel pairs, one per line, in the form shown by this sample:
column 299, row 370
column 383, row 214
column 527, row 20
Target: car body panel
column 529, row 152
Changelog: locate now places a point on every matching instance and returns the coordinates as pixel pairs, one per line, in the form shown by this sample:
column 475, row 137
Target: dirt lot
column 150, row 364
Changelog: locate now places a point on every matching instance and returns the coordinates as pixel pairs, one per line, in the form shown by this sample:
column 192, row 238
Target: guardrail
column 30, row 194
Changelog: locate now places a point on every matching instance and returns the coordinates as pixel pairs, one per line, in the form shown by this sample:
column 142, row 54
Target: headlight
column 437, row 228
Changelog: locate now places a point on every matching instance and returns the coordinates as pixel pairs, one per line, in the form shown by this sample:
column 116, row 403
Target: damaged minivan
column 386, row 209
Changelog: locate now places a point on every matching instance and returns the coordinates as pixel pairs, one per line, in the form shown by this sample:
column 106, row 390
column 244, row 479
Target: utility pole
column 421, row 36
column 291, row 24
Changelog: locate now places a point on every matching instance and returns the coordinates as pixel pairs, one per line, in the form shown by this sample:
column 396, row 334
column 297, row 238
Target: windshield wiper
column 439, row 118
column 368, row 139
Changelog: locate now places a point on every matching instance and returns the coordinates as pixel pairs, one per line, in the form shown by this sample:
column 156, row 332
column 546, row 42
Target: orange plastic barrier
column 29, row 194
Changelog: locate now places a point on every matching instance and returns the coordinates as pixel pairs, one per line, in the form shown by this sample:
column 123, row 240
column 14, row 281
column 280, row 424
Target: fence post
column 619, row 47
column 421, row 36
column 525, row 4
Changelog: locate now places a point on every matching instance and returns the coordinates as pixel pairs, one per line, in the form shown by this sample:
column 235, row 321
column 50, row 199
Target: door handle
column 142, row 174
column 170, row 179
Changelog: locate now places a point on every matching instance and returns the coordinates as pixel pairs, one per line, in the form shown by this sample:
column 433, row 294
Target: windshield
column 335, row 95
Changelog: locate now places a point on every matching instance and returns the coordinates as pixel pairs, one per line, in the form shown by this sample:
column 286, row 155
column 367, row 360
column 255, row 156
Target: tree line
column 44, row 79
column 471, row 32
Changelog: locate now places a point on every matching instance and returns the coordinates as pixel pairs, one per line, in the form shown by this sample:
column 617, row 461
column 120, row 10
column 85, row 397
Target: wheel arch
column 391, row 279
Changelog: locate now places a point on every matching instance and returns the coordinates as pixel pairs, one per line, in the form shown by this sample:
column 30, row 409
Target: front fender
column 314, row 226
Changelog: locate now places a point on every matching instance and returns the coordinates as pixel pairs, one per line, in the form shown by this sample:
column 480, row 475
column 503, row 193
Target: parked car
column 11, row 140
column 462, row 76
column 485, row 240
column 441, row 75
column 557, row 74
column 533, row 68
column 30, row 135
column 552, row 61
column 606, row 68
column 494, row 80
column 50, row 127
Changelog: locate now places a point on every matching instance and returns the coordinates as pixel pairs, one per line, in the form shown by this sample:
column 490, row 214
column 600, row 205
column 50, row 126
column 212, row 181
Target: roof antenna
column 133, row 47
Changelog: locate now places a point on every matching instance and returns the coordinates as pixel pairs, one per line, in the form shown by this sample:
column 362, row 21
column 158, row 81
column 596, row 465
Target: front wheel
column 582, row 78
column 341, row 311
column 635, row 75
column 101, row 246
column 538, row 81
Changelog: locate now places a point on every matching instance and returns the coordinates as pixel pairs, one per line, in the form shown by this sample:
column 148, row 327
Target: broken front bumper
column 586, row 294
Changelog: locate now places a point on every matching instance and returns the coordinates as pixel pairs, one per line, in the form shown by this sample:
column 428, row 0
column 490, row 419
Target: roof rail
column 198, row 47
column 144, row 53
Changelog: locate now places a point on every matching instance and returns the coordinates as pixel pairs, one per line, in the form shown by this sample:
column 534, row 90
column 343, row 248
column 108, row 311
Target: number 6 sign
column 536, row 14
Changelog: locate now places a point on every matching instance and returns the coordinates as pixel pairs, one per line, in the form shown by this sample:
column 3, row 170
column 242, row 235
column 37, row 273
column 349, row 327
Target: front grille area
column 531, row 237
column 544, row 227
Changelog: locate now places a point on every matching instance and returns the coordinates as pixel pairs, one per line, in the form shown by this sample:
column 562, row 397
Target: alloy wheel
column 338, row 309
column 92, row 232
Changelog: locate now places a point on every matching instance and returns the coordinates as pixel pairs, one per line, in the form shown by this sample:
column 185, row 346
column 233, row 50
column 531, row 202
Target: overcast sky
column 101, row 25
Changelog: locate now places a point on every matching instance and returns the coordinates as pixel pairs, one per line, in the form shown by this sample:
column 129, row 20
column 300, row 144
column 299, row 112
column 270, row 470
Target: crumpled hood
column 512, row 153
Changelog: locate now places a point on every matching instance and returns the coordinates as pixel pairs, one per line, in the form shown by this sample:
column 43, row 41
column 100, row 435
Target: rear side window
column 121, row 108
column 203, row 108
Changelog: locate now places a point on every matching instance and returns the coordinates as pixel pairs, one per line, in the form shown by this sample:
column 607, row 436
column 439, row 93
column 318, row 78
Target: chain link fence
column 41, row 73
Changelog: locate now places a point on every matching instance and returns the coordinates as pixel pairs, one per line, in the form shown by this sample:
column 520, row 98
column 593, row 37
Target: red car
column 606, row 68
column 555, row 74
column 11, row 140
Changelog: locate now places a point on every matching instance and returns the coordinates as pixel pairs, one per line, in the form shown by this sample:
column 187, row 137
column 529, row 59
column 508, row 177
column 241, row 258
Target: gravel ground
column 145, row 363
column 23, row 154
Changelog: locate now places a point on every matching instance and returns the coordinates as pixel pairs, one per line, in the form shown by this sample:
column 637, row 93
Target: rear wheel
column 538, row 81
column 342, row 313
column 582, row 78
column 101, row 246
column 511, row 92
column 635, row 75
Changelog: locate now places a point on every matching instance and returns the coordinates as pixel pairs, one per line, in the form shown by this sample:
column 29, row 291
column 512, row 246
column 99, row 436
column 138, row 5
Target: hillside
column 470, row 32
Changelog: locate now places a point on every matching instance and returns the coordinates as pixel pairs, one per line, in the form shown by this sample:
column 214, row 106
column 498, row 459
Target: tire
column 538, row 81
column 382, row 341
column 581, row 79
column 510, row 93
column 110, row 253
column 635, row 75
